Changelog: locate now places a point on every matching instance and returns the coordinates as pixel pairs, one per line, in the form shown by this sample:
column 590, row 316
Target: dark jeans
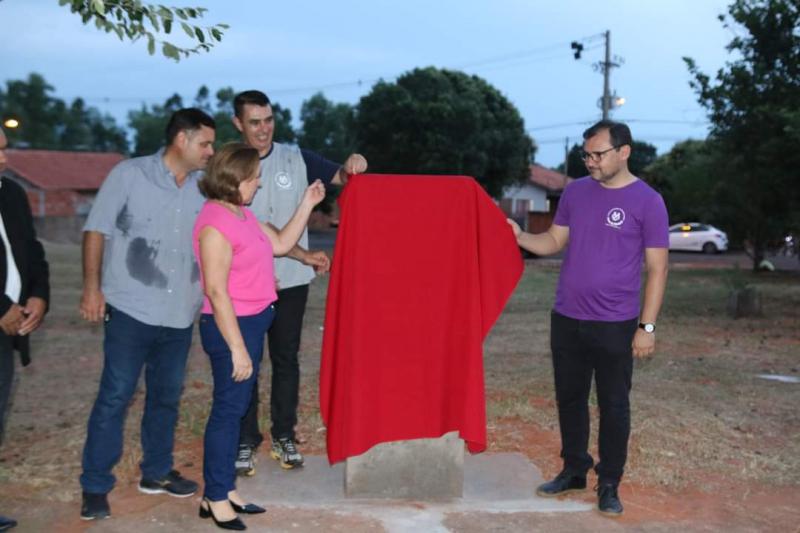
column 230, row 399
column 582, row 348
column 6, row 378
column 129, row 346
column 284, row 345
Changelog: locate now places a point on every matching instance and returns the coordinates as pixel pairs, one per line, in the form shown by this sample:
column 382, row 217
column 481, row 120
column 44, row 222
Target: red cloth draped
column 422, row 268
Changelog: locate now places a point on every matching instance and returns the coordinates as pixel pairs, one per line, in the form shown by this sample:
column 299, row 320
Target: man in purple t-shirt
column 609, row 222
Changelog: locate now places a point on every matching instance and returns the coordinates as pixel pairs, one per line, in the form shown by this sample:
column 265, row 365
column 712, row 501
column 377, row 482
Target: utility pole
column 608, row 101
column 606, row 75
column 566, row 156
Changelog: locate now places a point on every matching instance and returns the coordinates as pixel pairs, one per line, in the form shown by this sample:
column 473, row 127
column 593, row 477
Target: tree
column 32, row 104
column 689, row 179
column 753, row 106
column 86, row 129
column 642, row 155
column 134, row 20
column 47, row 122
column 327, row 128
column 444, row 122
column 284, row 133
column 226, row 131
column 575, row 166
column 150, row 122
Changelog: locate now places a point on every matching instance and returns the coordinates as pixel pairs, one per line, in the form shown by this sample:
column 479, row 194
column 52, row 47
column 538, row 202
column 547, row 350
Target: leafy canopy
column 134, row 20
column 433, row 121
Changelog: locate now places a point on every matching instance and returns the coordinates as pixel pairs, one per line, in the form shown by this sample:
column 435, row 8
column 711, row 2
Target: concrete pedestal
column 420, row 469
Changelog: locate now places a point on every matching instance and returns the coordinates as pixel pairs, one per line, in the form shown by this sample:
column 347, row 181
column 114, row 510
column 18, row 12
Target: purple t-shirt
column 608, row 232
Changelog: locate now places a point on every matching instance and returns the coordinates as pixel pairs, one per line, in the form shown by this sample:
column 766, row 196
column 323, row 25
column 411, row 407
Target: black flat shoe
column 236, row 524
column 248, row 508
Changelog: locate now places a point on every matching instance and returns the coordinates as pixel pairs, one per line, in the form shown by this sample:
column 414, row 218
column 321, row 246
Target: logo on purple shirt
column 615, row 217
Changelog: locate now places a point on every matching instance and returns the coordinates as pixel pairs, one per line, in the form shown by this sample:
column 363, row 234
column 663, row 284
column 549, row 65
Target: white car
column 694, row 236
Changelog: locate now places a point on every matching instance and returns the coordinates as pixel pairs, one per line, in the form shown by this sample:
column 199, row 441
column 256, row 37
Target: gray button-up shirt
column 149, row 269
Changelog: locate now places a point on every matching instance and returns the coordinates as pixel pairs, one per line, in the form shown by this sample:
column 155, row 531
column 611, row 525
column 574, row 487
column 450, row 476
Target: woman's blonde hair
column 232, row 164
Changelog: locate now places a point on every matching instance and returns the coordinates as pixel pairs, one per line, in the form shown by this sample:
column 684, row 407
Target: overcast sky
column 293, row 49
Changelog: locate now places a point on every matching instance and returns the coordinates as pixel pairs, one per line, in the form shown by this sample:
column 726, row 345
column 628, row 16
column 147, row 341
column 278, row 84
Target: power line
column 521, row 57
column 631, row 120
column 642, row 138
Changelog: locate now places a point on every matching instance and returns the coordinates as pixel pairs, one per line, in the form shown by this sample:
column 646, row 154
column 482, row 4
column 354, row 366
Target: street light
column 614, row 101
column 11, row 123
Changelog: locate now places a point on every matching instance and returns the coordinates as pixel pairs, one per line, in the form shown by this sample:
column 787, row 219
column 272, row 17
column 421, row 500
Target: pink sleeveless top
column 251, row 280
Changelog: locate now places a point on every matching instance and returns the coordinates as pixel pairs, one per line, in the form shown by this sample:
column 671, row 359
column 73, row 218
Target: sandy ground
column 712, row 448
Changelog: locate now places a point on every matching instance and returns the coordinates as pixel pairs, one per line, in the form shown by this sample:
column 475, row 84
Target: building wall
column 514, row 200
column 60, row 229
column 54, row 203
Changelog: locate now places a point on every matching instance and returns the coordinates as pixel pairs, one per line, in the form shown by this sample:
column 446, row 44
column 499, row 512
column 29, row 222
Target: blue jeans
column 130, row 345
column 231, row 399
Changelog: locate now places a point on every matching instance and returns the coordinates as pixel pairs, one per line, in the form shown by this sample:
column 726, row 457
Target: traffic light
column 578, row 48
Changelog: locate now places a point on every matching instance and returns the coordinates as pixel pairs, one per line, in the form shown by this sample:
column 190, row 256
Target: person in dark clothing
column 24, row 274
column 610, row 223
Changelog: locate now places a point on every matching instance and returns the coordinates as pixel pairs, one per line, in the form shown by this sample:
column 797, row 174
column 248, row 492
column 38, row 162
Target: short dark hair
column 619, row 133
column 231, row 165
column 188, row 119
column 249, row 97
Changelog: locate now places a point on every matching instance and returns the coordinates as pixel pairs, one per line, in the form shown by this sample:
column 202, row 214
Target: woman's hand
column 314, row 194
column 242, row 364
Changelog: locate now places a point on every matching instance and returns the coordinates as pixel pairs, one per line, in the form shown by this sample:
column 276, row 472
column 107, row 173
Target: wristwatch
column 649, row 327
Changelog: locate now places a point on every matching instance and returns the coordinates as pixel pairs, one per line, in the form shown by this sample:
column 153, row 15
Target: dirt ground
column 712, row 447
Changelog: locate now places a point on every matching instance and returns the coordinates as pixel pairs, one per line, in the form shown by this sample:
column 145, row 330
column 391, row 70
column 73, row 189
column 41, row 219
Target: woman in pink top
column 235, row 252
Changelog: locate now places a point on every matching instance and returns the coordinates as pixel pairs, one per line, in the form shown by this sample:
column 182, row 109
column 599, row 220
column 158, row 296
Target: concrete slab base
column 419, row 469
column 493, row 483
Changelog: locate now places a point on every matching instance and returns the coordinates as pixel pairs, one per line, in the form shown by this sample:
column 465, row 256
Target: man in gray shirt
column 140, row 233
column 285, row 172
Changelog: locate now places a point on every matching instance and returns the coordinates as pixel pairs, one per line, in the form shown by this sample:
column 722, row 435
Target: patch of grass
column 696, row 405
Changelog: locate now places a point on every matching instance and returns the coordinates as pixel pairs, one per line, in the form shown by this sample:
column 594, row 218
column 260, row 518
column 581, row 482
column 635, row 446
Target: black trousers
column 582, row 349
column 283, row 341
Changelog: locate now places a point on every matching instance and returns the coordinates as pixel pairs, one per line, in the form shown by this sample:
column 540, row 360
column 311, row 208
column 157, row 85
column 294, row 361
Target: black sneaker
column 7, row 523
column 173, row 484
column 94, row 506
column 608, row 501
column 245, row 460
column 285, row 452
column 564, row 483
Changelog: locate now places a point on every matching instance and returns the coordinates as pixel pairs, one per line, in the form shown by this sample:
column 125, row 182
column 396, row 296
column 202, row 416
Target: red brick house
column 533, row 204
column 59, row 184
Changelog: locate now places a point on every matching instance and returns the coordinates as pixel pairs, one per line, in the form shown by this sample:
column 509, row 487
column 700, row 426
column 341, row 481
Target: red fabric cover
column 422, row 268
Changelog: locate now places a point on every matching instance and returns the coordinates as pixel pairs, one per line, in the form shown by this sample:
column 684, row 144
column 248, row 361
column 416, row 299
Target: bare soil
column 712, row 446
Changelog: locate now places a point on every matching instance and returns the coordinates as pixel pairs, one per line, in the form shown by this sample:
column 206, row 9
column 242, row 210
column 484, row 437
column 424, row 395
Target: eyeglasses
column 596, row 156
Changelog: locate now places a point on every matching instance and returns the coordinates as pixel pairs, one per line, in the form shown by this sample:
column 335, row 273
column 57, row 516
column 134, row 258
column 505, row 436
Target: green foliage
column 47, row 122
column 284, row 133
column 642, row 155
column 135, row 20
column 444, row 122
column 150, row 122
column 753, row 105
column 689, row 178
column 222, row 113
column 327, row 128
column 575, row 166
